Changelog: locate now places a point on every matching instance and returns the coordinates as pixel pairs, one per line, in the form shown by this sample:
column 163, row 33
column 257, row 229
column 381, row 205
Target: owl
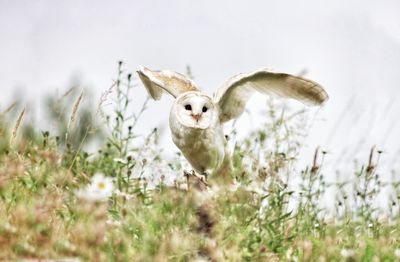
column 196, row 120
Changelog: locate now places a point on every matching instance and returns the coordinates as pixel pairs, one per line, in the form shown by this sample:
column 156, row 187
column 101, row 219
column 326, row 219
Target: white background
column 351, row 47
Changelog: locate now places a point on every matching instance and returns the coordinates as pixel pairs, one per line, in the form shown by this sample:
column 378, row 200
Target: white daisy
column 347, row 253
column 397, row 252
column 99, row 189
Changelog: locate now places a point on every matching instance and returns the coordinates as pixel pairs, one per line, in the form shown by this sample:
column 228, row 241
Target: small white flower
column 235, row 186
column 347, row 253
column 123, row 194
column 9, row 228
column 112, row 222
column 120, row 161
column 397, row 252
column 99, row 189
column 69, row 246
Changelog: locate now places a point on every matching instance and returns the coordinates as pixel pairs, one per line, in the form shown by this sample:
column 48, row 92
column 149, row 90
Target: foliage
column 155, row 213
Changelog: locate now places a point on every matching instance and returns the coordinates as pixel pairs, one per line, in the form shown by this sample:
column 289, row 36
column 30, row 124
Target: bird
column 196, row 119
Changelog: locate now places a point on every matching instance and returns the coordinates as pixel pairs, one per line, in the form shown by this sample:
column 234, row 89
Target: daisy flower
column 347, row 253
column 99, row 189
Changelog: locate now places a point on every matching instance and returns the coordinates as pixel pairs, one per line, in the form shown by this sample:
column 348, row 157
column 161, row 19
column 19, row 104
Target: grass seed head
column 16, row 127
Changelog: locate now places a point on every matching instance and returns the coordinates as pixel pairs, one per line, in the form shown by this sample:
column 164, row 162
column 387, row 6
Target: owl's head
column 195, row 110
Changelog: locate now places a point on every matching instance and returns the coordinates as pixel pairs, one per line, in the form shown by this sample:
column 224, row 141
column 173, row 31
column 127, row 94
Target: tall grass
column 271, row 210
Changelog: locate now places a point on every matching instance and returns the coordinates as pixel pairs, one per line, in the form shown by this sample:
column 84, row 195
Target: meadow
column 125, row 201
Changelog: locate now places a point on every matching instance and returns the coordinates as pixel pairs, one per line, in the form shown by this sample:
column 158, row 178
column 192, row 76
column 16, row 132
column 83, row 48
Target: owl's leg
column 187, row 174
column 205, row 175
column 201, row 179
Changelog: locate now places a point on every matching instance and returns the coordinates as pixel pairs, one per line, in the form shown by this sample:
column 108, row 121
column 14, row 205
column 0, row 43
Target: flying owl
column 196, row 119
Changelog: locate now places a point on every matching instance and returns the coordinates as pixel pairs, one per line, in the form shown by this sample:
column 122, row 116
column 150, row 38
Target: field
column 126, row 202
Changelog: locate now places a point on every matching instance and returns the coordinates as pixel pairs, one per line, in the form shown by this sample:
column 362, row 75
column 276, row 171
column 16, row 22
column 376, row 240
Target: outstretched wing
column 235, row 92
column 172, row 82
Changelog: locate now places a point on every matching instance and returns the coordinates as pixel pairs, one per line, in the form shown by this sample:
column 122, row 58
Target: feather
column 236, row 91
column 172, row 82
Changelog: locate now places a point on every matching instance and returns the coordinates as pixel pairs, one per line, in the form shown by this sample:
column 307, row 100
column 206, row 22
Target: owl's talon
column 204, row 177
column 200, row 178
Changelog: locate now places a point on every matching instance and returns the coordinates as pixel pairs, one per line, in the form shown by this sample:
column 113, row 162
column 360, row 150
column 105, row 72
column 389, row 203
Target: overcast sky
column 351, row 47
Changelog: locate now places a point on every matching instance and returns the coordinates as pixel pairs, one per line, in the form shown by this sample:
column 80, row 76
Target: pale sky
column 352, row 48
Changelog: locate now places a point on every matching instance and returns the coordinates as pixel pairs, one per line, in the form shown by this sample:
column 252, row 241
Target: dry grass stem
column 11, row 107
column 16, row 127
column 73, row 115
column 68, row 92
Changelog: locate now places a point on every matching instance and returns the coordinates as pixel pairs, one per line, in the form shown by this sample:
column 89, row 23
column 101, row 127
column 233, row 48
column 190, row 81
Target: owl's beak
column 196, row 117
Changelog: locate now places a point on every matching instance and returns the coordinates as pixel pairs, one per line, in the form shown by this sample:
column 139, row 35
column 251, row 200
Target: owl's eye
column 204, row 109
column 188, row 107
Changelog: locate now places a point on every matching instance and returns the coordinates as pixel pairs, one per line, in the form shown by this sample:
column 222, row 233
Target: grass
column 269, row 211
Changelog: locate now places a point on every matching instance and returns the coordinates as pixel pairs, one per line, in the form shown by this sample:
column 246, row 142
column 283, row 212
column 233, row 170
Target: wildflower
column 235, row 186
column 397, row 252
column 68, row 246
column 99, row 189
column 9, row 228
column 113, row 223
column 120, row 161
column 123, row 195
column 347, row 253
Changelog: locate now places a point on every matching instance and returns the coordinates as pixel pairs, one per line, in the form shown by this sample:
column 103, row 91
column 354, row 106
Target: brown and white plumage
column 196, row 119
column 235, row 92
column 172, row 82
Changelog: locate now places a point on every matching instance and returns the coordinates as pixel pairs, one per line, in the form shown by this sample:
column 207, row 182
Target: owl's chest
column 203, row 148
column 194, row 140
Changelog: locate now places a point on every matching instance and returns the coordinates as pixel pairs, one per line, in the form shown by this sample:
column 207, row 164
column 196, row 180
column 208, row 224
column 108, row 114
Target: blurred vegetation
column 269, row 211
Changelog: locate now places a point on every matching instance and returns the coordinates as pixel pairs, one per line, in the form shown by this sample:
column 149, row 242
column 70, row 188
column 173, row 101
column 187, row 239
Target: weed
column 127, row 202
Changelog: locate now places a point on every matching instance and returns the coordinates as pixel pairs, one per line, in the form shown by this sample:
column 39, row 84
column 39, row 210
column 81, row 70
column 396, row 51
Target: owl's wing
column 237, row 90
column 172, row 82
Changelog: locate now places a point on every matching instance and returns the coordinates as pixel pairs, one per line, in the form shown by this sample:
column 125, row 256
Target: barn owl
column 196, row 119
